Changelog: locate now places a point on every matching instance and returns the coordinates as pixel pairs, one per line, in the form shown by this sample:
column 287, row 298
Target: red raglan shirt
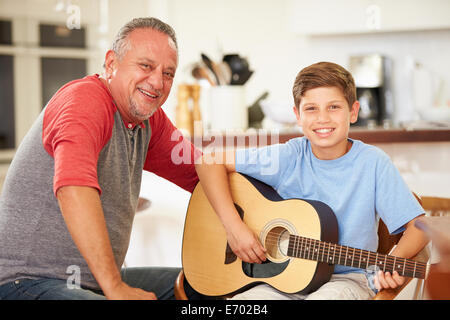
column 80, row 139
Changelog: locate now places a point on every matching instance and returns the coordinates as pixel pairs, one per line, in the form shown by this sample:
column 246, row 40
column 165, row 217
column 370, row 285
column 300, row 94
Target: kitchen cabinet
column 330, row 17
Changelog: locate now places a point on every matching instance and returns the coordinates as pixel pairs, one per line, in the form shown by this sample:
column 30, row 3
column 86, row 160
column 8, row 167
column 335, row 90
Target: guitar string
column 329, row 245
column 407, row 269
column 409, row 265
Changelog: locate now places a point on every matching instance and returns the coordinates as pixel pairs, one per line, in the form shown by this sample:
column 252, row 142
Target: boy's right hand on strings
column 245, row 244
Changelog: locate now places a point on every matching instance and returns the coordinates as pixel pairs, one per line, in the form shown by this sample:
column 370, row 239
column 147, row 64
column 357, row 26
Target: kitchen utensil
column 200, row 72
column 225, row 71
column 241, row 78
column 239, row 68
column 211, row 65
column 255, row 113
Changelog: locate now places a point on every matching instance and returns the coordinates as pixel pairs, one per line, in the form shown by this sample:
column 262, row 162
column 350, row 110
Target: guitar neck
column 332, row 253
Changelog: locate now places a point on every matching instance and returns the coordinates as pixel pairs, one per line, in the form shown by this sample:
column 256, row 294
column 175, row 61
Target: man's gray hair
column 120, row 44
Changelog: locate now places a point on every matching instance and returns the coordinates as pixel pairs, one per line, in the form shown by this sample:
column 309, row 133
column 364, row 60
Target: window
column 5, row 32
column 61, row 36
column 58, row 71
column 41, row 55
column 7, row 127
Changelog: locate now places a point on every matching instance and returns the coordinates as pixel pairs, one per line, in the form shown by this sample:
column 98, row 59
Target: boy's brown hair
column 324, row 74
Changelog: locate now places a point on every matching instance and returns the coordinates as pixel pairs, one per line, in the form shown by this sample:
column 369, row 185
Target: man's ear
column 110, row 63
column 354, row 112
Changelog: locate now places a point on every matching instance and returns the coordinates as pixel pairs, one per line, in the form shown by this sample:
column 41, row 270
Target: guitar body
column 212, row 269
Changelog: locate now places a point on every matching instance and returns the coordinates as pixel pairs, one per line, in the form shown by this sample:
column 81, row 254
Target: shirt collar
column 131, row 125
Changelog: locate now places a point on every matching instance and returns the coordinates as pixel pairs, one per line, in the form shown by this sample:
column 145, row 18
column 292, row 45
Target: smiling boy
column 358, row 181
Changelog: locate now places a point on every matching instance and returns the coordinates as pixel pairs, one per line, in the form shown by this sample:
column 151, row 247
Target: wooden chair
column 438, row 229
column 436, row 206
column 385, row 245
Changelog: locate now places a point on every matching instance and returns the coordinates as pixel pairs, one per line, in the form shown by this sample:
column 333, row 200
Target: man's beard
column 134, row 111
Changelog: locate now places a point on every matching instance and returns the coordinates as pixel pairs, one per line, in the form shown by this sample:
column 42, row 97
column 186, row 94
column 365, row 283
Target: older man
column 71, row 192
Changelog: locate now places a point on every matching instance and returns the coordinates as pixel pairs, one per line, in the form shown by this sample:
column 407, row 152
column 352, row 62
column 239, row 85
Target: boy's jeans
column 158, row 280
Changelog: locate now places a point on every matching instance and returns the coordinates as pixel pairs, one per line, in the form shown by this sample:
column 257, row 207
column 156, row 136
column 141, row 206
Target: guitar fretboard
column 332, row 253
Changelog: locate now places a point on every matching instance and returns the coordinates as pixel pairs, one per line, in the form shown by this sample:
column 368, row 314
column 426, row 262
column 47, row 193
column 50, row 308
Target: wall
column 263, row 32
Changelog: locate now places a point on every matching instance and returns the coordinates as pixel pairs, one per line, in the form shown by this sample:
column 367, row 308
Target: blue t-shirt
column 360, row 187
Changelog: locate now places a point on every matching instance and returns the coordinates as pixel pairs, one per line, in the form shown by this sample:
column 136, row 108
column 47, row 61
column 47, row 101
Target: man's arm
column 213, row 173
column 83, row 213
column 412, row 241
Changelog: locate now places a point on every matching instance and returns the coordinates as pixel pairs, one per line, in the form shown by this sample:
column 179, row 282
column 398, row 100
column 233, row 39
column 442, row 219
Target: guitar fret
column 328, row 254
column 360, row 256
column 384, row 268
column 295, row 249
column 291, row 246
column 323, row 251
column 346, row 253
column 309, row 249
column 340, row 250
column 304, row 242
column 333, row 247
column 303, row 246
column 317, row 249
column 314, row 242
column 404, row 265
column 353, row 257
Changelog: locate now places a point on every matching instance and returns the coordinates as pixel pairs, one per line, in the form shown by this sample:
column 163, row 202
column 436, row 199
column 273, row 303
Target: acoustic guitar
column 300, row 237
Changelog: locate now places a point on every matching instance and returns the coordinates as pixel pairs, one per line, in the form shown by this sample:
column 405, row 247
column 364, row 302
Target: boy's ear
column 297, row 114
column 354, row 112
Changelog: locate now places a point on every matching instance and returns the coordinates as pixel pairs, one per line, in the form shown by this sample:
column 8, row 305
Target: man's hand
column 124, row 292
column 384, row 280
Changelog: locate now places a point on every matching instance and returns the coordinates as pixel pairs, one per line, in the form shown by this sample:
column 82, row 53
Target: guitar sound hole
column 276, row 246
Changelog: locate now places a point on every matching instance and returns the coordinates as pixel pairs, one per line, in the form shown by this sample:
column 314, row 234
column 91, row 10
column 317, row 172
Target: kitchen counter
column 380, row 135
column 259, row 137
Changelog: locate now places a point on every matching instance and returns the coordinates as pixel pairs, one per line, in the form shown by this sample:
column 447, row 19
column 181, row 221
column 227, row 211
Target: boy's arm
column 213, row 173
column 412, row 241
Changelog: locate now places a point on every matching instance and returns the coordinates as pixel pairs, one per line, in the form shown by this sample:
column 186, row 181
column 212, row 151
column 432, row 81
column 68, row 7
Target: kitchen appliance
column 373, row 77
